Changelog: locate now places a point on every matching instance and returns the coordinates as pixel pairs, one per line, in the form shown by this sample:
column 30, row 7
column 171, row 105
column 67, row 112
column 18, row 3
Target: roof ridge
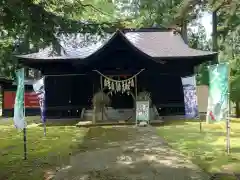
column 149, row 29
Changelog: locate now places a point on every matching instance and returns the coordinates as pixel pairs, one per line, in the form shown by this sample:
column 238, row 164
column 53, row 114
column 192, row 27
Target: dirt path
column 143, row 157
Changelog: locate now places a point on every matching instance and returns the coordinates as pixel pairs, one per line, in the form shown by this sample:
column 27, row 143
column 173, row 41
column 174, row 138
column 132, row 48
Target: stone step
column 114, row 114
column 119, row 114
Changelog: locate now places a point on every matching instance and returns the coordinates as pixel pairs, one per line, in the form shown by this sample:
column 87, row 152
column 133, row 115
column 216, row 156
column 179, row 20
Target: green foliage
column 235, row 80
column 7, row 61
column 198, row 40
column 158, row 12
column 235, row 89
column 228, row 32
column 40, row 21
column 228, row 15
column 230, row 51
column 203, row 75
column 27, row 25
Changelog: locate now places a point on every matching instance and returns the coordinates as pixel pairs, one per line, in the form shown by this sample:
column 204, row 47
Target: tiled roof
column 163, row 44
column 156, row 44
column 73, row 47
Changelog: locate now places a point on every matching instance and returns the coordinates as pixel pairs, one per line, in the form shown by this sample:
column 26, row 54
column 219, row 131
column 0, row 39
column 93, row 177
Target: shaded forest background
column 28, row 25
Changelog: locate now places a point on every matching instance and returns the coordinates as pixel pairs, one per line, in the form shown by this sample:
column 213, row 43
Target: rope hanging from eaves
column 119, row 85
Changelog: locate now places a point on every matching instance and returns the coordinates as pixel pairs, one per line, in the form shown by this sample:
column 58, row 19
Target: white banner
column 202, row 98
column 38, row 87
column 190, row 97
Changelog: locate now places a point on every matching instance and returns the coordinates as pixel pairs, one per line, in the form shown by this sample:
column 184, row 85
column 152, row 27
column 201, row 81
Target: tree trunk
column 238, row 109
column 214, row 31
column 184, row 31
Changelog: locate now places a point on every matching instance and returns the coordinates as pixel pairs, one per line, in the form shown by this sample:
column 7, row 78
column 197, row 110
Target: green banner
column 19, row 101
column 218, row 93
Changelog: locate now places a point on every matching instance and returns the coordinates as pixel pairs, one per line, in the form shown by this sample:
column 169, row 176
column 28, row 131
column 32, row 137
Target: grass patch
column 102, row 137
column 45, row 154
column 208, row 148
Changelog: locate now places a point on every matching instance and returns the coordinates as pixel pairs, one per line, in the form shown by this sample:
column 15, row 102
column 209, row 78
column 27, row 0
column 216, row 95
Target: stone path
column 144, row 157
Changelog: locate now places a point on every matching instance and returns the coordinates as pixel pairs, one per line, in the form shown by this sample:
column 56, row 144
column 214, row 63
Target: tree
column 235, row 84
column 27, row 25
column 198, row 40
column 226, row 15
column 40, row 21
column 159, row 12
column 126, row 9
column 231, row 52
column 7, row 62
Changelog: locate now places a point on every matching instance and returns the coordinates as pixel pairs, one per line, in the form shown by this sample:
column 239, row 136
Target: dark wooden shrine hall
column 71, row 79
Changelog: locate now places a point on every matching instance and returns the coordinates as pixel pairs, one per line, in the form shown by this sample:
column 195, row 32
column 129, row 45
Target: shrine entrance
column 122, row 100
column 121, row 89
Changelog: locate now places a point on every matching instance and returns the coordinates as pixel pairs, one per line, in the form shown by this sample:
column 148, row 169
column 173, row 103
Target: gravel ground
column 144, row 156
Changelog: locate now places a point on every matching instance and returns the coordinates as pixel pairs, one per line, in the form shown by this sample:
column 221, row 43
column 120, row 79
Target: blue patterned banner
column 218, row 93
column 190, row 97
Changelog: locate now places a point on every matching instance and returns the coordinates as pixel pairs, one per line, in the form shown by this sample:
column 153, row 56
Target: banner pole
column 136, row 96
column 228, row 113
column 43, row 109
column 200, row 123
column 25, row 143
column 44, row 129
column 209, row 85
column 199, row 117
column 24, row 116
